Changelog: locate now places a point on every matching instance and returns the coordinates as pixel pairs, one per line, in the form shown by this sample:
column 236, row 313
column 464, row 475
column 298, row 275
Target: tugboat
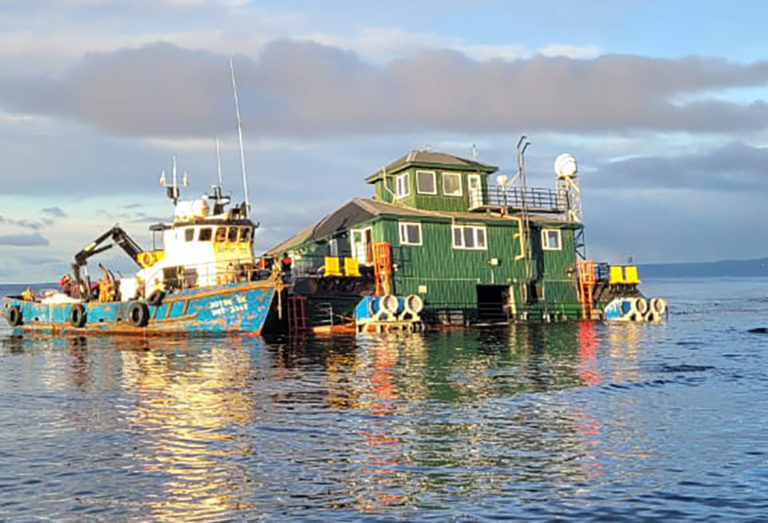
column 204, row 280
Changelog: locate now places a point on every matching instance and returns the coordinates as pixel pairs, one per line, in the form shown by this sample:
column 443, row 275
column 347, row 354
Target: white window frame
column 434, row 182
column 360, row 248
column 404, row 237
column 402, row 181
column 461, row 185
column 475, row 235
column 545, row 240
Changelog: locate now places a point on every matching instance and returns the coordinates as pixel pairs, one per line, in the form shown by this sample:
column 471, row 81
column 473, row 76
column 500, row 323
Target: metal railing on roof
column 512, row 199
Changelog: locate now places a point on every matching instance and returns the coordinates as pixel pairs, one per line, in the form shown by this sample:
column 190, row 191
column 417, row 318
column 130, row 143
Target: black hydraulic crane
column 119, row 237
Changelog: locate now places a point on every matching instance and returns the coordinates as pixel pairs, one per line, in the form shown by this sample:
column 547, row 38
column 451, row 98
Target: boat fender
column 659, row 305
column 156, row 298
column 77, row 316
column 389, row 303
column 15, row 317
column 641, row 305
column 413, row 304
column 138, row 314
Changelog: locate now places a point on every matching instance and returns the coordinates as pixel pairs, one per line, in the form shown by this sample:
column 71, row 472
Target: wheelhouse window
column 551, row 240
column 426, row 182
column 205, row 234
column 452, row 184
column 232, row 236
column 410, row 233
column 402, row 185
column 245, row 235
column 221, row 234
column 189, row 234
column 471, row 237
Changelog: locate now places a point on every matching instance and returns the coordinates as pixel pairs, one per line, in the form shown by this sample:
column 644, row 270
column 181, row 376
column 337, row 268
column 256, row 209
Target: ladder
column 382, row 268
column 586, row 269
column 297, row 313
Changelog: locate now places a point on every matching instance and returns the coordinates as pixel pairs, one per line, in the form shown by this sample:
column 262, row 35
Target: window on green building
column 550, row 239
column 469, row 237
column 410, row 233
column 402, row 185
column 426, row 182
column 452, row 184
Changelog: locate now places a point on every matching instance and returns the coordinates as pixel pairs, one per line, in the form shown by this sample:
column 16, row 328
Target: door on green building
column 475, row 190
column 491, row 302
column 362, row 245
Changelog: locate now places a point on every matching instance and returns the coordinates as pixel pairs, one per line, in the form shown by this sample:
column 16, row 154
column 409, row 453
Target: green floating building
column 474, row 246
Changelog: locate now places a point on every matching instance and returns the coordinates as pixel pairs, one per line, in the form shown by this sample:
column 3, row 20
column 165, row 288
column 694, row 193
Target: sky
column 662, row 103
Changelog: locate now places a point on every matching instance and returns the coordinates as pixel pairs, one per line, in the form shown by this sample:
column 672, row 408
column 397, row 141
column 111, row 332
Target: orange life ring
column 148, row 259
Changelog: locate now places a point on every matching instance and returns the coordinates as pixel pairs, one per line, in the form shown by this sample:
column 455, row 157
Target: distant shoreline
column 718, row 269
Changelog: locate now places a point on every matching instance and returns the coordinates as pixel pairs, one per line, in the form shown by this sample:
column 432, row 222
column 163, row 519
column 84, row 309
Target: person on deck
column 66, row 285
column 286, row 263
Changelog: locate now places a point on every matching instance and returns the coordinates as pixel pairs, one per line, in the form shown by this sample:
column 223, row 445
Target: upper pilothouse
column 206, row 242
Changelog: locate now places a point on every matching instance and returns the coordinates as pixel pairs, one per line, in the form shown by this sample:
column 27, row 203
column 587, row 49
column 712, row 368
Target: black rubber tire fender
column 138, row 314
column 14, row 316
column 78, row 316
column 156, row 298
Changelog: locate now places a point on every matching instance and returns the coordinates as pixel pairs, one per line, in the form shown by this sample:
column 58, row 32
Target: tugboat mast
column 247, row 206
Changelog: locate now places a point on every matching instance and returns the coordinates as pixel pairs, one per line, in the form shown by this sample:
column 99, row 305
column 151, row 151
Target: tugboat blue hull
column 229, row 308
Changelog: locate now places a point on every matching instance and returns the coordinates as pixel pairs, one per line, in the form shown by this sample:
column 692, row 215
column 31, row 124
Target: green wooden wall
column 432, row 202
column 451, row 275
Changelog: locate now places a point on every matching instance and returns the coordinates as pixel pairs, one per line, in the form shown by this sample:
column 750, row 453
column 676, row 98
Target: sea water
column 571, row 421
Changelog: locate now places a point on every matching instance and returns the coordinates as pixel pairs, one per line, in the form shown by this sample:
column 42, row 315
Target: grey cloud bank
column 307, row 89
column 23, row 240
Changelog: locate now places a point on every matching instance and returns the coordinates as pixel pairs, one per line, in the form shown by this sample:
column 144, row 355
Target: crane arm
column 119, row 237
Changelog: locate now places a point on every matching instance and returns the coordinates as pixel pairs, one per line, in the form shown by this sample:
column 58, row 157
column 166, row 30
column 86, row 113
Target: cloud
column 55, row 212
column 734, row 167
column 23, row 240
column 39, row 260
column 307, row 89
column 23, row 223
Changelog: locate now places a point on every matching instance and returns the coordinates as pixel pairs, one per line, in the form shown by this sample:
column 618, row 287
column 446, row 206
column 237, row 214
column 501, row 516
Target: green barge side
column 474, row 249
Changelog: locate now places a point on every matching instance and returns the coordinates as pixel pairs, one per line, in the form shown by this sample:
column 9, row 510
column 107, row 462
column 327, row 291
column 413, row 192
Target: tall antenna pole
column 522, row 145
column 218, row 162
column 240, row 137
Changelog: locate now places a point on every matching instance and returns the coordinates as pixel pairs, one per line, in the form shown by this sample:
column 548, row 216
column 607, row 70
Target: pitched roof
column 362, row 209
column 431, row 159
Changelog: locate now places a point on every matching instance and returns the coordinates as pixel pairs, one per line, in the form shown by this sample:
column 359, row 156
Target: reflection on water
column 533, row 421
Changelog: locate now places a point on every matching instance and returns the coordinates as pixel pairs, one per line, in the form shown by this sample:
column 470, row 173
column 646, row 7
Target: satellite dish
column 565, row 165
column 501, row 179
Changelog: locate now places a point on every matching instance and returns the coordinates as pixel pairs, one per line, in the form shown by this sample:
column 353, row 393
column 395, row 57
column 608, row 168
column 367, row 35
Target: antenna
column 218, row 162
column 240, row 137
column 522, row 145
column 173, row 190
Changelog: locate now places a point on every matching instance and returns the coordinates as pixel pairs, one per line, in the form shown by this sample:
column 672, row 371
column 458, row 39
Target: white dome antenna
column 565, row 166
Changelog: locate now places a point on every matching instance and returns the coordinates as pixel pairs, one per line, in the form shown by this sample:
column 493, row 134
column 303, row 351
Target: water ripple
column 575, row 421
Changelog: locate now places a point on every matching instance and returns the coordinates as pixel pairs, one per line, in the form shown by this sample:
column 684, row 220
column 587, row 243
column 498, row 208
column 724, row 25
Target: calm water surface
column 573, row 421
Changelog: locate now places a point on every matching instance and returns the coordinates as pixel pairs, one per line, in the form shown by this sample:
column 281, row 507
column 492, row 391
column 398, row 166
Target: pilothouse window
column 189, row 234
column 245, row 235
column 232, row 234
column 221, row 234
column 205, row 234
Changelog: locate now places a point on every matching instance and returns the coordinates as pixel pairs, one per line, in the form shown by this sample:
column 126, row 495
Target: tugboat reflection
column 187, row 402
